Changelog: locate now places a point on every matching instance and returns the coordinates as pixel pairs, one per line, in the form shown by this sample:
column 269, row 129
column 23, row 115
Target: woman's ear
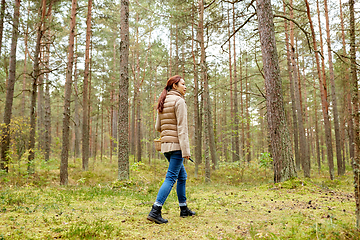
column 174, row 86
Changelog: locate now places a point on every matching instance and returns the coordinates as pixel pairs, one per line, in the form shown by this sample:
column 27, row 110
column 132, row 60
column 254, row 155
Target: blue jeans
column 176, row 171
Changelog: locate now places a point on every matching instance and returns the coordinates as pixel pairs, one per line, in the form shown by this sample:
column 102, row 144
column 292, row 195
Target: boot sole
column 154, row 220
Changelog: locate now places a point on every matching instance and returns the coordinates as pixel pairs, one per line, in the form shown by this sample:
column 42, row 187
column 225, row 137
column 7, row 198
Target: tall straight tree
column 35, row 77
column 206, row 89
column 236, row 154
column 304, row 157
column 5, row 138
column 323, row 93
column 355, row 103
column 123, row 132
column 333, row 93
column 47, row 117
column 68, row 83
column 284, row 167
column 293, row 106
column 85, row 123
column 2, row 15
column 350, row 126
column 197, row 135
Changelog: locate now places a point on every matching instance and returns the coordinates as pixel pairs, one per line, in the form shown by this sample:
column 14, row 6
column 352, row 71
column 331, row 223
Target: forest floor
column 241, row 202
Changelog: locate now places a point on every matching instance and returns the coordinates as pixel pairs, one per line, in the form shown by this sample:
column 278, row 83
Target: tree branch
column 241, row 26
column 302, row 29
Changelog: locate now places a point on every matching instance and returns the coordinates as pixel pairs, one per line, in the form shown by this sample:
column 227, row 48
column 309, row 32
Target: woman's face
column 180, row 86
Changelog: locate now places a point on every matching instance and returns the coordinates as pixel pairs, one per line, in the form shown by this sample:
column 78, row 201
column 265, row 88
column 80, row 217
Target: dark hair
column 169, row 85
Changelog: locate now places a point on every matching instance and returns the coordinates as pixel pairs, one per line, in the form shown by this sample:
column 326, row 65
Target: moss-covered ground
column 241, row 202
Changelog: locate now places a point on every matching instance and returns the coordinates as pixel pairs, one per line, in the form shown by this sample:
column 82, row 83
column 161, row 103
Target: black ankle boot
column 185, row 212
column 155, row 215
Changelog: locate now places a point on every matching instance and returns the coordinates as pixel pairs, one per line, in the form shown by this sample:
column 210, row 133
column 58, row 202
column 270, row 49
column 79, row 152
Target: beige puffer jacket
column 172, row 124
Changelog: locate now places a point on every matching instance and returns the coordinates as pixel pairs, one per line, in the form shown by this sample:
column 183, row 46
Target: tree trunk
column 280, row 141
column 67, row 99
column 236, row 111
column 76, row 111
column 293, row 106
column 138, row 130
column 233, row 151
column 247, row 116
column 355, row 103
column 323, row 92
column 304, row 157
column 2, row 15
column 86, row 94
column 196, row 107
column 205, row 92
column 333, row 93
column 348, row 115
column 123, row 132
column 47, row 114
column 5, row 138
column 35, row 76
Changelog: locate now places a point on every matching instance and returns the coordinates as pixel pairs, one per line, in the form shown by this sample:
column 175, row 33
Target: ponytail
column 169, row 85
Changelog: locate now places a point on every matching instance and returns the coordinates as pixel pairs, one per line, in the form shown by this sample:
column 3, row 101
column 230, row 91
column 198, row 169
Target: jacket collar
column 175, row 92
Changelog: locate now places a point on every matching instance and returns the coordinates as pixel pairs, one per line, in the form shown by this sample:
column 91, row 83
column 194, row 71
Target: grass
column 241, row 202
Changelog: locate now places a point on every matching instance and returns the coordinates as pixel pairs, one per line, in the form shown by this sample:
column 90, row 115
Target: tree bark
column 35, row 77
column 76, row 110
column 196, row 107
column 123, row 132
column 304, row 157
column 333, row 93
column 323, row 92
column 205, row 92
column 293, row 106
column 86, row 95
column 68, row 83
column 355, row 116
column 2, row 15
column 280, row 141
column 236, row 154
column 5, row 138
column 47, row 113
column 348, row 107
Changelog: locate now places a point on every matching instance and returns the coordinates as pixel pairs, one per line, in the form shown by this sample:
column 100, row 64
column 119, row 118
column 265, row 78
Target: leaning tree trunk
column 86, row 104
column 355, row 102
column 68, row 83
column 284, row 167
column 36, row 75
column 123, row 132
column 5, row 138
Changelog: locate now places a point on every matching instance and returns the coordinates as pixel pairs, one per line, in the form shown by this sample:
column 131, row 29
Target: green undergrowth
column 241, row 202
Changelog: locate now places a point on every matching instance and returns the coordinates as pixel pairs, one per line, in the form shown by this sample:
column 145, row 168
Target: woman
column 172, row 123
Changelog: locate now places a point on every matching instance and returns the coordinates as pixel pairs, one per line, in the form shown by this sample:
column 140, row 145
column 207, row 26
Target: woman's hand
column 188, row 157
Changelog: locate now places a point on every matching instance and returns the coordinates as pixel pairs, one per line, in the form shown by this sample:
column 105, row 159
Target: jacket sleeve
column 157, row 124
column 182, row 127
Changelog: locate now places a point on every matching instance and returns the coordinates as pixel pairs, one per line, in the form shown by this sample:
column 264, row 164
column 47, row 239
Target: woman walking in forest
column 172, row 123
